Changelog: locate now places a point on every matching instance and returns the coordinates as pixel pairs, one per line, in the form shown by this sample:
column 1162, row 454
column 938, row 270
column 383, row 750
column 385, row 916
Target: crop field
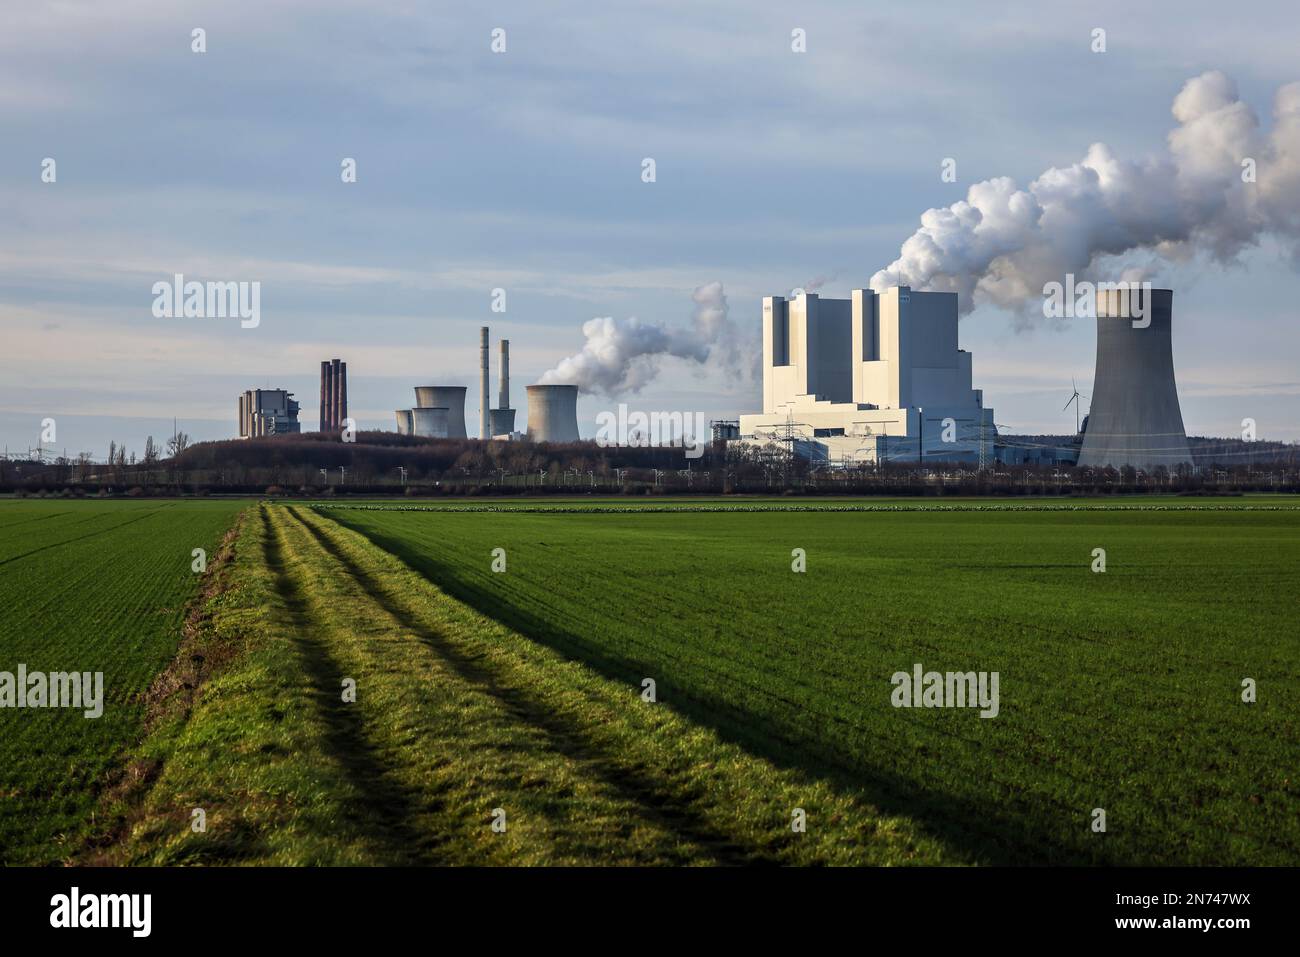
column 464, row 682
column 86, row 586
column 1119, row 690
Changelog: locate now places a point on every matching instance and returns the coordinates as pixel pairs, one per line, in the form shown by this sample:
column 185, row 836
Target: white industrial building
column 877, row 377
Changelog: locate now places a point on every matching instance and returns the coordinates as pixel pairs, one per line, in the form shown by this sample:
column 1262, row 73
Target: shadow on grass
column 386, row 808
column 641, row 790
column 984, row 832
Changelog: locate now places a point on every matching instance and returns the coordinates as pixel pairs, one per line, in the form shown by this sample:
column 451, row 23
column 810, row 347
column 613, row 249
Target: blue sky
column 522, row 171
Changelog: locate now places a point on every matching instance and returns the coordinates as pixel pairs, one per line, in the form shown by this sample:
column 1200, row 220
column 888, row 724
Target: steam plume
column 623, row 355
column 1001, row 243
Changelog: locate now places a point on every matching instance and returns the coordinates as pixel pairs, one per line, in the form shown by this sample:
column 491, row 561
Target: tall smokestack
column 343, row 394
column 334, row 395
column 483, row 431
column 324, row 393
column 504, row 402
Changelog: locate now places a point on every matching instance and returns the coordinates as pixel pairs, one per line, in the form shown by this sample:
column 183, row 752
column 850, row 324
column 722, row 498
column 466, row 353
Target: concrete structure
column 503, row 417
column 1135, row 417
column 430, row 423
column 267, row 412
column 867, row 379
column 404, row 425
column 333, row 395
column 724, row 430
column 449, row 397
column 483, row 418
column 553, row 413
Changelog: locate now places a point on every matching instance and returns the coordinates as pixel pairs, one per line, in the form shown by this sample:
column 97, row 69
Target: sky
column 522, row 170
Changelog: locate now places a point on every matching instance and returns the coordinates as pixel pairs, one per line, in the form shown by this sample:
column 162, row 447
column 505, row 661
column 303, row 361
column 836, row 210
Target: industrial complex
column 872, row 379
column 879, row 377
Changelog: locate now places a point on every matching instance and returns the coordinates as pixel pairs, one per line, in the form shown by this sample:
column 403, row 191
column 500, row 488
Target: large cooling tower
column 430, row 423
column 1135, row 418
column 553, row 413
column 449, row 397
column 404, row 422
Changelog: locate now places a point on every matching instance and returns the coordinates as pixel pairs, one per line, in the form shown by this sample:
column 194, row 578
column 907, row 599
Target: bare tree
column 150, row 459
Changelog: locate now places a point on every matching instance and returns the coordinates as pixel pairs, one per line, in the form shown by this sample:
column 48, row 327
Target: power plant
column 1135, row 418
column 333, row 395
column 267, row 412
column 553, row 413
column 877, row 377
column 874, row 378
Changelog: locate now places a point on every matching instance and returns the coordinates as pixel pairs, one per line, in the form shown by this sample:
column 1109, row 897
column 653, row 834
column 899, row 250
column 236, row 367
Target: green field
column 86, row 586
column 1119, row 690
column 481, row 693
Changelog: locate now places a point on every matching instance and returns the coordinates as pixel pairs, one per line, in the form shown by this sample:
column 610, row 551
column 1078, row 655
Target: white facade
column 871, row 378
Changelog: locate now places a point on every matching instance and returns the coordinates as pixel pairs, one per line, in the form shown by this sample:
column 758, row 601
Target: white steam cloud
column 1001, row 243
column 623, row 355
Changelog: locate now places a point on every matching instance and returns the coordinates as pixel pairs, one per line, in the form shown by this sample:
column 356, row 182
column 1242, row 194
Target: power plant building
column 267, row 412
column 333, row 395
column 1135, row 418
column 872, row 378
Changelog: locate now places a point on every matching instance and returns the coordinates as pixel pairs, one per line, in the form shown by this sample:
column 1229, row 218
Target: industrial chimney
column 1135, row 418
column 503, row 418
column 333, row 394
column 504, row 402
column 483, row 423
column 553, row 413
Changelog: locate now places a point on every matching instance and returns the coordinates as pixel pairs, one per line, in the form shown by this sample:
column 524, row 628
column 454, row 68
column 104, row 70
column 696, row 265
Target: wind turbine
column 1075, row 399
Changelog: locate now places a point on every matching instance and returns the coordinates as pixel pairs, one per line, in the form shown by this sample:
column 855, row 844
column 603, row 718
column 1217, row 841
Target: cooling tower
column 553, row 413
column 404, row 422
column 430, row 423
column 483, row 427
column 449, row 397
column 1135, row 418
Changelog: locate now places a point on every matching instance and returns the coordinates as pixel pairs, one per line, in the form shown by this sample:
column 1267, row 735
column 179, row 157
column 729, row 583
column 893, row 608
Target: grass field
column 1119, row 690
column 86, row 586
column 519, row 693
